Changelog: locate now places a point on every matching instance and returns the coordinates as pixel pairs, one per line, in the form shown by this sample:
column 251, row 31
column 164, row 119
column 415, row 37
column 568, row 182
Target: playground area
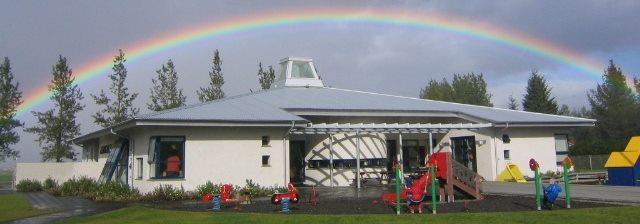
column 346, row 200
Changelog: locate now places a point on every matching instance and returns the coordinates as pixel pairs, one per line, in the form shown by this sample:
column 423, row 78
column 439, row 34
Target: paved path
column 68, row 206
column 604, row 193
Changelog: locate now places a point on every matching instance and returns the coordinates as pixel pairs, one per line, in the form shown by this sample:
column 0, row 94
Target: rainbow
column 487, row 32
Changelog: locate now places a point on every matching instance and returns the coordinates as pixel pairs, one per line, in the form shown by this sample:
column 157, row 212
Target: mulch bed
column 491, row 203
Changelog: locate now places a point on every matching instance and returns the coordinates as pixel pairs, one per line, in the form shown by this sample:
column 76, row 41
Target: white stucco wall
column 60, row 172
column 217, row 154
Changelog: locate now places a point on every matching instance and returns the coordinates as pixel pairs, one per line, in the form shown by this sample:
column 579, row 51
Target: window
column 166, row 156
column 507, row 154
column 562, row 145
column 506, row 138
column 139, row 168
column 347, row 163
column 283, row 71
column 265, row 141
column 265, row 160
column 301, row 69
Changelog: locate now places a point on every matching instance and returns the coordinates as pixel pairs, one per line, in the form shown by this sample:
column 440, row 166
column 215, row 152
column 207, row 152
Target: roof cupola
column 296, row 71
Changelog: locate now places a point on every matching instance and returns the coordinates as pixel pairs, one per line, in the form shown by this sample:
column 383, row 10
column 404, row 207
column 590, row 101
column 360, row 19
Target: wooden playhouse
column 623, row 168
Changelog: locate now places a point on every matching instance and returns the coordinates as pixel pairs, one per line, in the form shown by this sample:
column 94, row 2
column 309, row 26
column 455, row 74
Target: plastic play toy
column 511, row 173
column 623, row 168
column 566, row 166
column 292, row 195
column 533, row 165
column 551, row 193
column 413, row 195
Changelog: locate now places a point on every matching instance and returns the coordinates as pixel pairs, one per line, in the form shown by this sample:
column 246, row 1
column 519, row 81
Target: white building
column 303, row 132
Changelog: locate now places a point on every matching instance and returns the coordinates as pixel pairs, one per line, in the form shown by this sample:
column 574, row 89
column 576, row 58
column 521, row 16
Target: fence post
column 590, row 165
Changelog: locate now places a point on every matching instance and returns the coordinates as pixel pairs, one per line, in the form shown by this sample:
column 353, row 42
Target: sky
column 383, row 58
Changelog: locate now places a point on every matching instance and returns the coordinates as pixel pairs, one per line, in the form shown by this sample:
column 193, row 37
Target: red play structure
column 451, row 176
column 292, row 195
column 225, row 194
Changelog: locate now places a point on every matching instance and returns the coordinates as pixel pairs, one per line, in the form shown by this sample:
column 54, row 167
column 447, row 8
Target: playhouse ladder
column 461, row 178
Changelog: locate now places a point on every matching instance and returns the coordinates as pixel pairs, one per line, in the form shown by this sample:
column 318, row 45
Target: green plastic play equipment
column 434, row 202
column 533, row 164
column 566, row 165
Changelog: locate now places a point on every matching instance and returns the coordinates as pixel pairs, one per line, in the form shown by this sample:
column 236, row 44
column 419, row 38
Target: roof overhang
column 384, row 128
column 546, row 124
column 187, row 123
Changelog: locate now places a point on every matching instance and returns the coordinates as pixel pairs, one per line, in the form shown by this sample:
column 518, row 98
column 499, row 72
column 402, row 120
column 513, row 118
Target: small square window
column 506, row 138
column 265, row 140
column 507, row 154
column 139, row 168
column 265, row 160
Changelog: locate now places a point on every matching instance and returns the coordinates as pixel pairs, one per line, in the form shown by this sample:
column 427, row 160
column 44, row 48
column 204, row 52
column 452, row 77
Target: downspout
column 129, row 160
column 284, row 151
column 495, row 147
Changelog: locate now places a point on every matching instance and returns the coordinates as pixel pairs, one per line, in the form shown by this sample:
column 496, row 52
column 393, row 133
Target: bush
column 83, row 187
column 255, row 190
column 207, row 188
column 115, row 191
column 29, row 186
column 165, row 193
column 51, row 186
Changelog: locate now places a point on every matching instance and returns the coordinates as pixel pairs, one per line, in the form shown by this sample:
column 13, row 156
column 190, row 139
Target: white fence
column 60, row 172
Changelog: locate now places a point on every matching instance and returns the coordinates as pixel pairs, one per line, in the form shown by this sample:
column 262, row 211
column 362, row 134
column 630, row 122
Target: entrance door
column 464, row 151
column 412, row 155
column 296, row 161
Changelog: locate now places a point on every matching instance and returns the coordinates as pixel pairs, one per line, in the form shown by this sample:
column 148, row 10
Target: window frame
column 154, row 162
column 506, row 154
column 565, row 152
column 268, row 140
column 268, row 164
column 139, row 168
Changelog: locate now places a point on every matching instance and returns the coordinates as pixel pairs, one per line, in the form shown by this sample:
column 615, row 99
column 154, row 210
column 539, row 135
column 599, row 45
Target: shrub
column 255, row 190
column 165, row 193
column 115, row 191
column 83, row 187
column 207, row 188
column 29, row 186
column 51, row 186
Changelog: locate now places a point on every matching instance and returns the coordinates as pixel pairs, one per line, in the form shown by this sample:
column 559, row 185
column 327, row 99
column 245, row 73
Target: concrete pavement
column 601, row 193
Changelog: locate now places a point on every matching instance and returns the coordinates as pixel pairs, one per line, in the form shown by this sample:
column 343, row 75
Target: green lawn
column 6, row 176
column 14, row 206
column 149, row 215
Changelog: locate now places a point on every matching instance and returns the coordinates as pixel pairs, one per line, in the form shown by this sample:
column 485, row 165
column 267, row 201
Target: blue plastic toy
column 551, row 193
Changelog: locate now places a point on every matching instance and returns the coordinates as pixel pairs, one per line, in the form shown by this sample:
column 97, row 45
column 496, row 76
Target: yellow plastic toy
column 511, row 173
column 626, row 158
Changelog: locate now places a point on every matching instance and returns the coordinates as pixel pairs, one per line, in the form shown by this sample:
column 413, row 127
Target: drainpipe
column 495, row 147
column 284, row 151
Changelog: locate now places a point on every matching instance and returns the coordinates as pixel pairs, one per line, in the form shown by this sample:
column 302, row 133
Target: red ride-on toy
column 292, row 195
column 225, row 194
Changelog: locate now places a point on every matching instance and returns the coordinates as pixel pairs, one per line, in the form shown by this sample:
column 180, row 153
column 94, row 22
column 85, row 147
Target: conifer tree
column 538, row 97
column 214, row 90
column 119, row 108
column 471, row 89
column 165, row 93
column 513, row 103
column 10, row 99
column 564, row 110
column 57, row 126
column 435, row 90
column 266, row 77
column 615, row 109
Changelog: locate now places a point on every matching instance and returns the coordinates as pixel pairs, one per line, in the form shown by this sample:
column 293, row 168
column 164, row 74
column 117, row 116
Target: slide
column 511, row 173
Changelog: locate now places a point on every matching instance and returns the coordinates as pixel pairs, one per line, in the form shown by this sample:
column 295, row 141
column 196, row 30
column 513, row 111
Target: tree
column 437, row 91
column 470, row 89
column 538, row 97
column 266, row 77
column 10, row 99
column 564, row 110
column 214, row 90
column 513, row 103
column 614, row 107
column 165, row 93
column 119, row 108
column 57, row 126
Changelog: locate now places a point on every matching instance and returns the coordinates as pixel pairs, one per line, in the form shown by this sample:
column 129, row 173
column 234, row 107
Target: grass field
column 5, row 176
column 149, row 215
column 14, row 206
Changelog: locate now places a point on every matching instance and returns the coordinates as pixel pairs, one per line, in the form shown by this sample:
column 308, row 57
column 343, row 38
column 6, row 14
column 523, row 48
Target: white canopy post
column 358, row 158
column 400, row 159
column 430, row 143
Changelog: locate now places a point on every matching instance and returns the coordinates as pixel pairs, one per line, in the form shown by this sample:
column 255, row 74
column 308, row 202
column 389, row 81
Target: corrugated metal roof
column 271, row 105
